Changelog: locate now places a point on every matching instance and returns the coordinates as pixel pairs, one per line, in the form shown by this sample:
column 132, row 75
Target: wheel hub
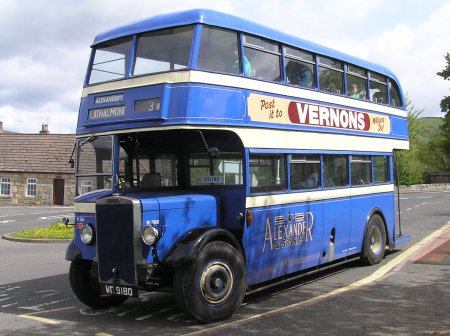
column 216, row 282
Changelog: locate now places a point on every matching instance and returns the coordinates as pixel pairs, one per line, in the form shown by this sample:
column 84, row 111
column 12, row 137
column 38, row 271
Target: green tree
column 445, row 107
column 445, row 103
column 406, row 162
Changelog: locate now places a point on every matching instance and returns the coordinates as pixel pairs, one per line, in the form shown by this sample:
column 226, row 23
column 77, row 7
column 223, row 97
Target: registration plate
column 119, row 290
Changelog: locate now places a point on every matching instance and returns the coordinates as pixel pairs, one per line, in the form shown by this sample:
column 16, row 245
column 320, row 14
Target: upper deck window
column 396, row 99
column 264, row 57
column 331, row 75
column 378, row 90
column 219, row 51
column 300, row 69
column 111, row 60
column 163, row 50
column 356, row 82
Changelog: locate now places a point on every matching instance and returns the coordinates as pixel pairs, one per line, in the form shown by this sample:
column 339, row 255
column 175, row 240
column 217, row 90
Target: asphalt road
column 18, row 218
column 407, row 294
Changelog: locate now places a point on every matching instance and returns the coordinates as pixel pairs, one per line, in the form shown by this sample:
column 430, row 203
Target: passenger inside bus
column 236, row 64
column 298, row 74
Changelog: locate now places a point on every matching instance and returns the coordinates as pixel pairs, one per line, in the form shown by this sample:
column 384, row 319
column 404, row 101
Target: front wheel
column 212, row 287
column 87, row 288
column 374, row 244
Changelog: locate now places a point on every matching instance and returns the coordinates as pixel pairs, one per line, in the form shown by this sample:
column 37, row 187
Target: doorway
column 58, row 191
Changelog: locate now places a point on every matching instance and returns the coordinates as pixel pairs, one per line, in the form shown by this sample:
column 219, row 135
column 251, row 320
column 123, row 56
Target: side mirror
column 66, row 221
column 213, row 152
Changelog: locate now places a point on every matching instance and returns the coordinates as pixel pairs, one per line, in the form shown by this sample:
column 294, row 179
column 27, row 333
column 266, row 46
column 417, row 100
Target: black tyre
column 87, row 288
column 212, row 287
column 374, row 244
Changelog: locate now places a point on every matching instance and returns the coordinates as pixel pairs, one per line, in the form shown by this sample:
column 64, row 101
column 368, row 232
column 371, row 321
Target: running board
column 402, row 239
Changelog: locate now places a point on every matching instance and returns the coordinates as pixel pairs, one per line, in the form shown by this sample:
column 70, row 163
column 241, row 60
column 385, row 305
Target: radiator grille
column 115, row 242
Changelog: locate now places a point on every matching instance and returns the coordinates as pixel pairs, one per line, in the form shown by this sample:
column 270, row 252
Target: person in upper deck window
column 354, row 91
column 235, row 66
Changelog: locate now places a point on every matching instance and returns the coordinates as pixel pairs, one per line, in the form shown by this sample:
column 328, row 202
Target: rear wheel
column 87, row 288
column 213, row 286
column 374, row 244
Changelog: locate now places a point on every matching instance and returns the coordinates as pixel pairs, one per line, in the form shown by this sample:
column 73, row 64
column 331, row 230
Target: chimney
column 1, row 126
column 44, row 129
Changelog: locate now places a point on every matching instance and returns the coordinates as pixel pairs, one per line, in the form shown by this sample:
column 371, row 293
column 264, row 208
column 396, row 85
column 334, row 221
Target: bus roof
column 218, row 19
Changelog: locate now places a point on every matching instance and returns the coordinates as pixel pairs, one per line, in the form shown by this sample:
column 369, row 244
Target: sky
column 45, row 45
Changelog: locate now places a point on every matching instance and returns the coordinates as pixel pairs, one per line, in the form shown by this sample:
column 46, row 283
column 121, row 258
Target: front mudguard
column 188, row 247
column 73, row 252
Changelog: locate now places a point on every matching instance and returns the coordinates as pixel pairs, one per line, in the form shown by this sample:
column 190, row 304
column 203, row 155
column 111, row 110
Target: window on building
column 86, row 186
column 305, row 172
column 300, row 69
column 5, row 186
column 331, row 75
column 267, row 173
column 361, row 170
column 381, row 169
column 31, row 186
column 264, row 57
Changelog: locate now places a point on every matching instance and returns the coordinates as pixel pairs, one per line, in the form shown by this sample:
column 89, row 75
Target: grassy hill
column 430, row 126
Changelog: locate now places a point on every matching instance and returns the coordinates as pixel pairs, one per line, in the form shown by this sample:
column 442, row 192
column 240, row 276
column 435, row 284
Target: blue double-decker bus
column 215, row 155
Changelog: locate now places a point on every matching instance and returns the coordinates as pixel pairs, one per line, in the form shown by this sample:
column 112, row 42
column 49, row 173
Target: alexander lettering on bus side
column 293, row 231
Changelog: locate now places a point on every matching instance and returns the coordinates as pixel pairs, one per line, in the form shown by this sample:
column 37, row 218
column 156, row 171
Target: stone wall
column 44, row 189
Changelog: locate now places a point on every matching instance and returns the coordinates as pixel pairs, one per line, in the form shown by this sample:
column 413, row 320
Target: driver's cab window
column 224, row 170
column 148, row 171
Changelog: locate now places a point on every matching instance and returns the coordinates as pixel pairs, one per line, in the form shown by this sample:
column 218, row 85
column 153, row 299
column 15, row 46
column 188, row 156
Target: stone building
column 34, row 168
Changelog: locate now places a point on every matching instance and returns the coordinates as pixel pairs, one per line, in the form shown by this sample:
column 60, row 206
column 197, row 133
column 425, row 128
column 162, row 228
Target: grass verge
column 54, row 231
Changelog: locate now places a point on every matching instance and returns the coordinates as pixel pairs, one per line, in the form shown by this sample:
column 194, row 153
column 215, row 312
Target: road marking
column 380, row 272
column 32, row 316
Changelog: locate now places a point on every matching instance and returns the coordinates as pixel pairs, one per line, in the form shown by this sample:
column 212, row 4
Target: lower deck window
column 305, row 172
column 267, row 173
column 381, row 169
column 361, row 170
column 335, row 170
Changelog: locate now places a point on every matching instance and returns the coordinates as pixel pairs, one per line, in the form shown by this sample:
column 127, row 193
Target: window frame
column 330, row 67
column 363, row 161
column 350, row 73
column 373, row 79
column 5, row 186
column 305, row 184
column 305, row 62
column 268, row 188
column 264, row 51
column 31, row 191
